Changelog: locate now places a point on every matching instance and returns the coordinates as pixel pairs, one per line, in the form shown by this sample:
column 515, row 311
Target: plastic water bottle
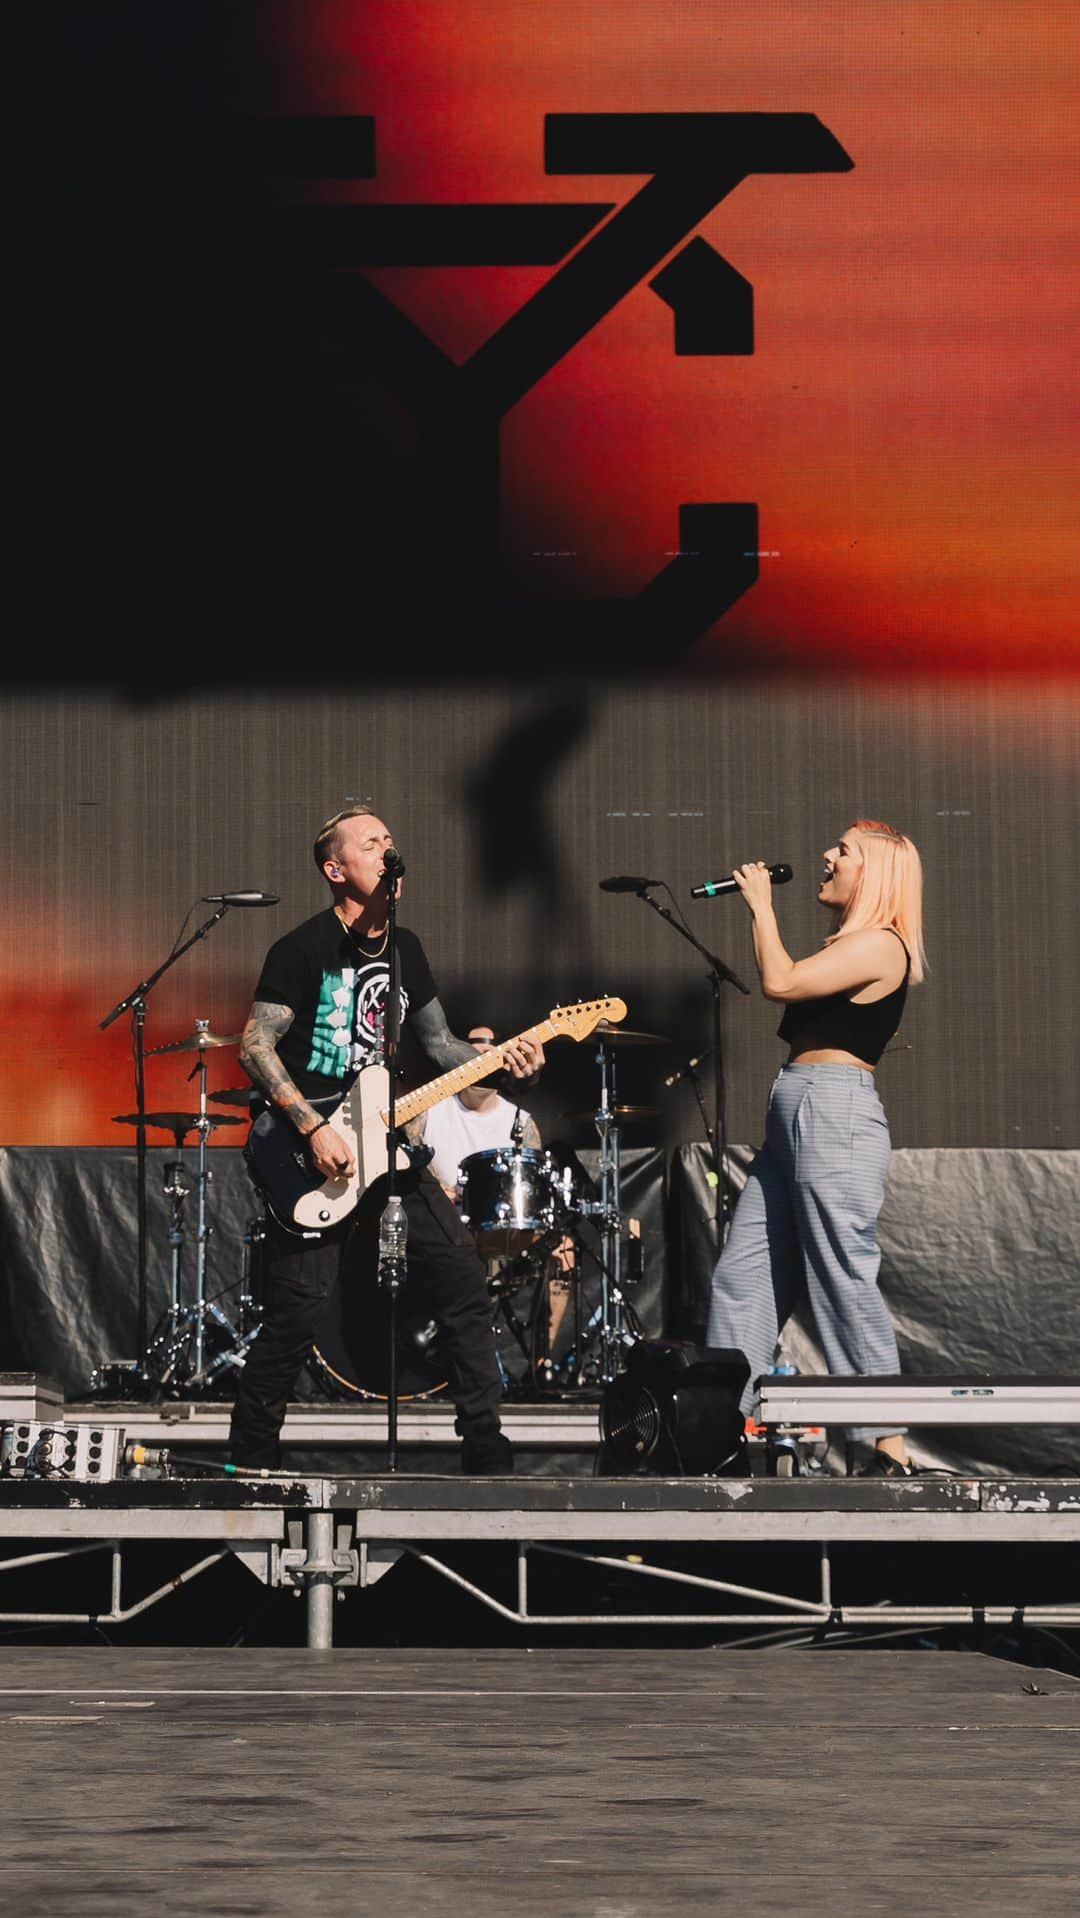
column 782, row 1367
column 393, row 1233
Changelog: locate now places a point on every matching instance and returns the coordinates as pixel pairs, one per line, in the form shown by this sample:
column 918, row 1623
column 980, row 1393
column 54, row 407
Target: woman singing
column 811, row 1202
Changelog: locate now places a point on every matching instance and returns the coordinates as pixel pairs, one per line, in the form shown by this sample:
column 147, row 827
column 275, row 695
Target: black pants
column 442, row 1260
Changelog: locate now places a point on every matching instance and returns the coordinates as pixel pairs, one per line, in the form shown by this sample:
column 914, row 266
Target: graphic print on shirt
column 347, row 1033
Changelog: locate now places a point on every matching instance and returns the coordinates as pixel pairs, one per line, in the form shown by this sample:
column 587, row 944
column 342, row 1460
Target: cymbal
column 232, row 1095
column 175, row 1121
column 201, row 1041
column 622, row 1036
column 623, row 1115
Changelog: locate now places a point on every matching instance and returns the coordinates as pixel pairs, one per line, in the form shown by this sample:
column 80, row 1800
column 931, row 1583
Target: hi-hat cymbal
column 175, row 1121
column 233, row 1095
column 622, row 1036
column 622, row 1115
column 198, row 1042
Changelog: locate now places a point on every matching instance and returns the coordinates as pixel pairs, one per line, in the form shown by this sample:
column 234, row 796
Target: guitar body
column 299, row 1195
column 302, row 1199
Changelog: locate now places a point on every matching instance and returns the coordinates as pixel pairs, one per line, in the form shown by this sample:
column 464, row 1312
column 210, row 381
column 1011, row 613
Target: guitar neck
column 459, row 1078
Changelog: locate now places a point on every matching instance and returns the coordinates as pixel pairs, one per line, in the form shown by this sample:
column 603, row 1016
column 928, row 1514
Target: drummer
column 476, row 1120
column 480, row 1120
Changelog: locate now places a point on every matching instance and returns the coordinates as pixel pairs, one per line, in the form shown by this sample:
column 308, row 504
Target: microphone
column 240, row 898
column 393, row 863
column 673, row 1078
column 713, row 888
column 624, row 884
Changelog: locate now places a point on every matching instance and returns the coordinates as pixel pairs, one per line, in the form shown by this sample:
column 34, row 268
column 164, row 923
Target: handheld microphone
column 393, row 863
column 624, row 884
column 240, row 898
column 713, row 888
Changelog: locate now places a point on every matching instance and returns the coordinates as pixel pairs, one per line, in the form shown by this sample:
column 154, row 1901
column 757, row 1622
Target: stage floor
column 620, row 1783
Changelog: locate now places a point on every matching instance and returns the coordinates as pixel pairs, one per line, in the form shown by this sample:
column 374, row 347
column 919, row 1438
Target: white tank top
column 453, row 1132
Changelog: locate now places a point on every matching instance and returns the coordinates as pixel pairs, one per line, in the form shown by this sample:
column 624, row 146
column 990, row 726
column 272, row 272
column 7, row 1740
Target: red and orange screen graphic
column 902, row 423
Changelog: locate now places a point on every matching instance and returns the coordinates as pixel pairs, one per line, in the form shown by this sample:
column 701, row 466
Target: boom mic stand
column 393, row 1225
column 135, row 1003
column 718, row 974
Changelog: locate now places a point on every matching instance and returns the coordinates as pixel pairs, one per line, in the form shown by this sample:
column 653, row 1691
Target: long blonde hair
column 888, row 891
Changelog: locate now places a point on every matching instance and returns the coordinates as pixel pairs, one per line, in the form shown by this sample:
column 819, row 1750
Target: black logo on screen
column 684, row 165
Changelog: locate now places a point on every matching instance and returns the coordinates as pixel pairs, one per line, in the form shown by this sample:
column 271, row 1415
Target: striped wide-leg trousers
column 808, row 1215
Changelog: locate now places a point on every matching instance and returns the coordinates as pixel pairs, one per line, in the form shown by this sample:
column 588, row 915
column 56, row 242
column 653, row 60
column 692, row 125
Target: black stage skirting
column 980, row 1267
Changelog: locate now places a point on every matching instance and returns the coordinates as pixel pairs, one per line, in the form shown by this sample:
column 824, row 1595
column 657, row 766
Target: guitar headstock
column 576, row 1022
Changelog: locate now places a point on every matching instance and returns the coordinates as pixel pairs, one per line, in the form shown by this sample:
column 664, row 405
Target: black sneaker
column 491, row 1456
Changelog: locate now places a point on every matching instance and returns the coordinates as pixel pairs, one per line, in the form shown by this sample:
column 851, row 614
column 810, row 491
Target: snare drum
column 508, row 1197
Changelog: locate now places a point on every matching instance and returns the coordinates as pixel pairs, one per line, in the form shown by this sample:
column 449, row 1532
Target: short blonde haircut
column 888, row 891
column 326, row 839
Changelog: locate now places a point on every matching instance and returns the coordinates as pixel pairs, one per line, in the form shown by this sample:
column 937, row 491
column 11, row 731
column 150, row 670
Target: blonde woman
column 810, row 1207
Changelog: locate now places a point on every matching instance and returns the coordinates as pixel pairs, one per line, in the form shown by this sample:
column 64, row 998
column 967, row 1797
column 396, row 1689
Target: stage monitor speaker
column 674, row 1411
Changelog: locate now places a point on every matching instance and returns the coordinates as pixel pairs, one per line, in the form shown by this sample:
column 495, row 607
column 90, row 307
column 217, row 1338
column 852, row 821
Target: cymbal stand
column 177, row 1356
column 203, row 1310
column 251, row 1260
column 203, row 1230
column 177, row 1186
column 612, row 1325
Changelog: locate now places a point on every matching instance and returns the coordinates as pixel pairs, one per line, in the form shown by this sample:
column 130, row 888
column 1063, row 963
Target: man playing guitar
column 315, row 1026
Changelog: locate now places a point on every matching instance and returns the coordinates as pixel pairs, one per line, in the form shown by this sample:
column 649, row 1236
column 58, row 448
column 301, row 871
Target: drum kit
column 541, row 1226
column 554, row 1243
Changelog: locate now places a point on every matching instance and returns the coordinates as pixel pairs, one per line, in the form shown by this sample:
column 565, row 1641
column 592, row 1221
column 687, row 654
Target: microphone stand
column 718, row 974
column 135, row 1003
column 392, row 1224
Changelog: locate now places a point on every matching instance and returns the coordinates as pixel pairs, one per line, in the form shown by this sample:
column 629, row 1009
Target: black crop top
column 836, row 1023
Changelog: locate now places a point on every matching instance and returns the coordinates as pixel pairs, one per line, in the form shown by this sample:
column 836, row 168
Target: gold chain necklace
column 356, row 942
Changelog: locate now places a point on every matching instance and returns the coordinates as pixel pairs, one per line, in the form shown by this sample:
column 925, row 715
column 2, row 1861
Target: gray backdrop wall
column 510, row 804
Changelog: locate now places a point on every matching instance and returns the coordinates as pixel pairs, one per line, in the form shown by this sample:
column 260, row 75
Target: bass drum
column 351, row 1357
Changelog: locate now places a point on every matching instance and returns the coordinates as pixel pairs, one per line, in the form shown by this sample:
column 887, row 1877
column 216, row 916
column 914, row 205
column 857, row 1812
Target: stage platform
column 319, row 1436
column 328, row 1536
column 336, row 1519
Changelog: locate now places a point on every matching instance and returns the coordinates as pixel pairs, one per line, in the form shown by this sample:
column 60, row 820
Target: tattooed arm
column 444, row 1051
column 267, row 1024
column 523, row 1061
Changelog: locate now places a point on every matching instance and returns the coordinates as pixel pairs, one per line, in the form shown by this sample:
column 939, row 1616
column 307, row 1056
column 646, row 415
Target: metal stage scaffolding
column 323, row 1534
column 322, row 1537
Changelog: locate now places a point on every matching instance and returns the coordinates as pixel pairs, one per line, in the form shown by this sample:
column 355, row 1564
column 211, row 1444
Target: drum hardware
column 201, row 1040
column 119, row 1379
column 519, row 1203
column 614, row 1329
column 194, row 1344
column 624, row 1115
column 178, row 1123
column 136, row 1002
column 609, row 1035
column 250, row 1302
column 233, row 1096
column 532, row 1270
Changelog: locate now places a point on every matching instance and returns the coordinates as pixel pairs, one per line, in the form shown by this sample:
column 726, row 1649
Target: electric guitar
column 301, row 1197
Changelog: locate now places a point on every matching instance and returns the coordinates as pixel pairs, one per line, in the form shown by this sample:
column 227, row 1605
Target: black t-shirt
column 336, row 986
